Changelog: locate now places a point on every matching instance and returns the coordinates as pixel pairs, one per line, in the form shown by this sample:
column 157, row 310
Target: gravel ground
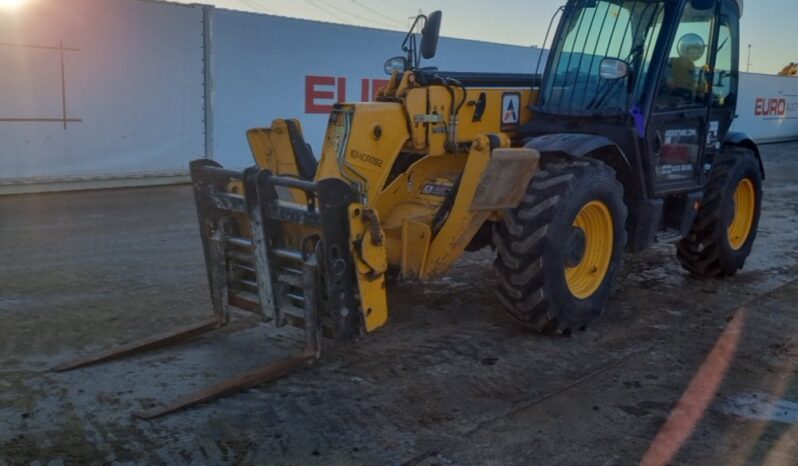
column 450, row 380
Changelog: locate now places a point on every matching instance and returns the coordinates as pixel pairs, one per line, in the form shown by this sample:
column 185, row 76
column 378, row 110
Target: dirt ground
column 449, row 381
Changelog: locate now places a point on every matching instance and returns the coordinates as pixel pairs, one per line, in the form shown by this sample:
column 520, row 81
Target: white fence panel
column 115, row 89
column 98, row 89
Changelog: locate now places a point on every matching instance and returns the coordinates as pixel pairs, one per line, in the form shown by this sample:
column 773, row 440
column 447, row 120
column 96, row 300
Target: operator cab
column 657, row 78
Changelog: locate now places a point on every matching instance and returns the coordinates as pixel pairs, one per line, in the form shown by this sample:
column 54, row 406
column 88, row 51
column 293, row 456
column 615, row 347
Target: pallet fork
column 251, row 269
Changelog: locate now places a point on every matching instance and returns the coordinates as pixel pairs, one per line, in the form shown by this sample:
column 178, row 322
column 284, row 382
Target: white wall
column 260, row 66
column 768, row 107
column 134, row 86
column 132, row 83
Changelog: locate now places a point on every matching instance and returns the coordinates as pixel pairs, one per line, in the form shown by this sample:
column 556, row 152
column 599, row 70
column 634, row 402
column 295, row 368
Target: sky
column 769, row 26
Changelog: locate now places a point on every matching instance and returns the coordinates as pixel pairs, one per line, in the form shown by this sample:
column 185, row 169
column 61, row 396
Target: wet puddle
column 760, row 407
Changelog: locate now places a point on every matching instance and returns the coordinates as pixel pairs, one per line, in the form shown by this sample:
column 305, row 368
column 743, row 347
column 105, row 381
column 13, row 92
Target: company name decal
column 322, row 92
column 775, row 107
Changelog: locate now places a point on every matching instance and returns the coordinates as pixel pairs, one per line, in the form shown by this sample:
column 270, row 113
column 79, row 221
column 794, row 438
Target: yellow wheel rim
column 596, row 223
column 744, row 209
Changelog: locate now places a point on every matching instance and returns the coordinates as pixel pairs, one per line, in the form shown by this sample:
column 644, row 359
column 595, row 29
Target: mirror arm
column 409, row 34
column 409, row 44
column 418, row 57
column 408, row 54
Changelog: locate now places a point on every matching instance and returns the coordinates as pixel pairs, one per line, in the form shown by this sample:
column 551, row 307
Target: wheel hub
column 575, row 247
column 589, row 249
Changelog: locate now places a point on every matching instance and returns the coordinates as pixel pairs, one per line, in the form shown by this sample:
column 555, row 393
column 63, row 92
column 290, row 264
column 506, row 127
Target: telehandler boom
column 624, row 141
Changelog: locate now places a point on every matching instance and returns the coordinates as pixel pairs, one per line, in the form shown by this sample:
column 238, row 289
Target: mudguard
column 739, row 138
column 577, row 145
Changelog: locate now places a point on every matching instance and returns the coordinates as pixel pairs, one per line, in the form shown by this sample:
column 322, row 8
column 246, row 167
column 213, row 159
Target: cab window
column 625, row 30
column 684, row 82
column 726, row 72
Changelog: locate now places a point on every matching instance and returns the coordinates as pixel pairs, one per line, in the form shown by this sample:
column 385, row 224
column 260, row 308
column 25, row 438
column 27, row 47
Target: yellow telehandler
column 624, row 141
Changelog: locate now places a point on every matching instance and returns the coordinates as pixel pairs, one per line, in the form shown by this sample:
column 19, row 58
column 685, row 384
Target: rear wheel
column 725, row 228
column 560, row 250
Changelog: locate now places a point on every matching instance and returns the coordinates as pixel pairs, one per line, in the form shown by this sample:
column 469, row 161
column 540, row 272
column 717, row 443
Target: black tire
column 707, row 251
column 532, row 245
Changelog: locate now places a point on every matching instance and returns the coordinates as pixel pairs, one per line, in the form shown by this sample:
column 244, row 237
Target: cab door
column 678, row 126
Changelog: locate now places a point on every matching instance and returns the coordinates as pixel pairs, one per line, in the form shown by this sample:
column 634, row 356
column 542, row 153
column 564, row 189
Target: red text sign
column 770, row 107
column 322, row 92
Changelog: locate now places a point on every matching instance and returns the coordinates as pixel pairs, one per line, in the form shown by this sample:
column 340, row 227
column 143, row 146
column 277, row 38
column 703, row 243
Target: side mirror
column 395, row 64
column 613, row 69
column 429, row 35
column 702, row 5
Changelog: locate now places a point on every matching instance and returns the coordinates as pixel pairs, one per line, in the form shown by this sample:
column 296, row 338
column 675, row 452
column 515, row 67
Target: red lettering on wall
column 369, row 88
column 313, row 94
column 341, row 90
column 322, row 92
column 376, row 85
column 365, row 85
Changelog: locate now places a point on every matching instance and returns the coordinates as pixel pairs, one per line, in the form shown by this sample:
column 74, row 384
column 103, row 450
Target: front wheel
column 725, row 228
column 560, row 250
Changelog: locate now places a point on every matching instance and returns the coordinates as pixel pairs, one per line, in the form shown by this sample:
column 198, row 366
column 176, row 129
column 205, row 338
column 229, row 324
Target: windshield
column 591, row 31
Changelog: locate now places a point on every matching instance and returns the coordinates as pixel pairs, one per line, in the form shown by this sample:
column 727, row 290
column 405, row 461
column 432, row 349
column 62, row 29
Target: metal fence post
column 208, row 84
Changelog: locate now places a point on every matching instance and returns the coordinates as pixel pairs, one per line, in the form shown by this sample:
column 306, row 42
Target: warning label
column 511, row 110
